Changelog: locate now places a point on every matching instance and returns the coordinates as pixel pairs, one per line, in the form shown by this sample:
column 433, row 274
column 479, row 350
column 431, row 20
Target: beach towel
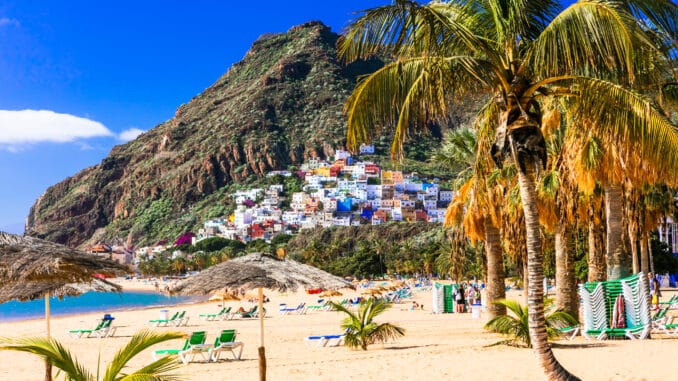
column 618, row 318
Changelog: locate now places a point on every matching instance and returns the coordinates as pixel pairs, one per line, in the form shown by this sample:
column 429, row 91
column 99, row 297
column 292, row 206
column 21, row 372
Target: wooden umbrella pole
column 47, row 312
column 48, row 364
column 262, row 351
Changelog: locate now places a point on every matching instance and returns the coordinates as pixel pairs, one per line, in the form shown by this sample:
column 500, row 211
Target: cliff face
column 278, row 106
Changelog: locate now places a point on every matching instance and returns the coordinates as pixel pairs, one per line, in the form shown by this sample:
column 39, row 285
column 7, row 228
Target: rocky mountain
column 280, row 105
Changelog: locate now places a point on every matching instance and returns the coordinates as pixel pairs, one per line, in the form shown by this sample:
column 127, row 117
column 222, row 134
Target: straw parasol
column 223, row 295
column 31, row 268
column 331, row 293
column 260, row 271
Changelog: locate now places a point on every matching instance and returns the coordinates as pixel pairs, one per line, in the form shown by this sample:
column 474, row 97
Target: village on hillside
column 344, row 191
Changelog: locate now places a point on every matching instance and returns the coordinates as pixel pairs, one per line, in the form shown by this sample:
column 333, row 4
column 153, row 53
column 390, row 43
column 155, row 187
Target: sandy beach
column 444, row 346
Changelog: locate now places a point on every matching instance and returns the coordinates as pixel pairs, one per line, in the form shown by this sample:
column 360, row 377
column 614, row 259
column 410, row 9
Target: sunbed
column 103, row 329
column 226, row 342
column 192, row 346
column 164, row 322
column 221, row 315
column 326, row 340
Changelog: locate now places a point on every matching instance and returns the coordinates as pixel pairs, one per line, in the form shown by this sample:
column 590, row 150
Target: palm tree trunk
column 566, row 290
column 649, row 253
column 535, row 266
column 597, row 268
column 617, row 260
column 633, row 239
column 644, row 255
column 495, row 271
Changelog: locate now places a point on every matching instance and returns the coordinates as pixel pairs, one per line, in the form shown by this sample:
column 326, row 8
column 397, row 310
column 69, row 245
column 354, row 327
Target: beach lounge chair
column 221, row 315
column 326, row 340
column 300, row 309
column 180, row 320
column 599, row 303
column 247, row 314
column 164, row 322
column 193, row 346
column 103, row 329
column 570, row 332
column 253, row 313
column 226, row 342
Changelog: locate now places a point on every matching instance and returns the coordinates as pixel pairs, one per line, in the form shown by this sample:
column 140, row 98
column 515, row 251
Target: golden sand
column 435, row 347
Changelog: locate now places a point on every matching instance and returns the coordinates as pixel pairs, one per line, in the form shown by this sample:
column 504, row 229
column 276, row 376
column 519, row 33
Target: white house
column 446, row 195
column 366, row 149
column 430, row 204
column 242, row 217
column 341, row 154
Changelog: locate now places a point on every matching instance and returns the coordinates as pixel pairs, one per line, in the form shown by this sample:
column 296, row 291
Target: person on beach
column 654, row 290
column 459, row 298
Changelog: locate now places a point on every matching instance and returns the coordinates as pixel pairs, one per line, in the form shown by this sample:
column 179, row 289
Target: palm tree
column 517, row 326
column 361, row 330
column 458, row 151
column 53, row 351
column 518, row 54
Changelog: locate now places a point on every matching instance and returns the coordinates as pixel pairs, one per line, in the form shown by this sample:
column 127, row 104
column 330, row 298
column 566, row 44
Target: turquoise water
column 102, row 302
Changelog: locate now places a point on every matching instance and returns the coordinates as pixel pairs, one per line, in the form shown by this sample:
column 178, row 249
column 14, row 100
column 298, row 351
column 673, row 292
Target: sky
column 78, row 77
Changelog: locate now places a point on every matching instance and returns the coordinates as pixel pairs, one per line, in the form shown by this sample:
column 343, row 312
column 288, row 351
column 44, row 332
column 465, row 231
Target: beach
column 435, row 346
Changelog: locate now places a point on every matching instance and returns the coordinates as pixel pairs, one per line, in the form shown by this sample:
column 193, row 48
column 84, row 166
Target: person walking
column 654, row 290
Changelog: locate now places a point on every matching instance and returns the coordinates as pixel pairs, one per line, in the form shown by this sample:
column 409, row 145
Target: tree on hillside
column 518, row 54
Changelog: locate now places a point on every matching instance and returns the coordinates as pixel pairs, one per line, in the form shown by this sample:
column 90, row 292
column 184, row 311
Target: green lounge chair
column 180, row 320
column 249, row 314
column 192, row 346
column 164, row 322
column 570, row 332
column 103, row 329
column 226, row 342
column 222, row 315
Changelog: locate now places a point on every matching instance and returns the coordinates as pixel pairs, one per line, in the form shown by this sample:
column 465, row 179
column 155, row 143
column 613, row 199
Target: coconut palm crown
column 589, row 61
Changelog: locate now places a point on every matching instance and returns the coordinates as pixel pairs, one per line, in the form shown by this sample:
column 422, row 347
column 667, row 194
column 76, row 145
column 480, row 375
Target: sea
column 91, row 302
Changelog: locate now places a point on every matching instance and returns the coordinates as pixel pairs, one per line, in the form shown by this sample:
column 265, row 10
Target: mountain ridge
column 282, row 103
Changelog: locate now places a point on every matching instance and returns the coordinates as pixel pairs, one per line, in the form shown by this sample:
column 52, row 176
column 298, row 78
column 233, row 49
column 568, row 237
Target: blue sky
column 99, row 71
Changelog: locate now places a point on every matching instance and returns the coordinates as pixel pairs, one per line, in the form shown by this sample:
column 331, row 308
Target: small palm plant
column 53, row 351
column 517, row 326
column 361, row 330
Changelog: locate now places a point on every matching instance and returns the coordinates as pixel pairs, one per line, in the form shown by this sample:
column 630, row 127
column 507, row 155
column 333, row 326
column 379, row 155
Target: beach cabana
column 31, row 268
column 259, row 271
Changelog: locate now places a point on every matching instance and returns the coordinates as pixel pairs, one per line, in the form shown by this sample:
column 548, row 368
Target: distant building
column 366, row 149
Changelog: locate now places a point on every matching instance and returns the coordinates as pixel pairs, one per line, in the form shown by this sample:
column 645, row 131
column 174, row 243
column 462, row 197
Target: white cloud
column 39, row 126
column 130, row 134
column 6, row 21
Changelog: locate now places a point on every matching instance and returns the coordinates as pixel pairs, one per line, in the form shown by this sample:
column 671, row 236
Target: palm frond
column 49, row 350
column 592, row 38
column 407, row 93
column 156, row 371
column 659, row 15
column 626, row 116
column 406, row 28
column 385, row 332
column 514, row 21
column 140, row 341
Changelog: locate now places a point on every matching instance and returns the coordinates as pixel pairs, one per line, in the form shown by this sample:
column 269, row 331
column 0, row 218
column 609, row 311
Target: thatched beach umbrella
column 223, row 296
column 260, row 271
column 31, row 267
column 330, row 293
